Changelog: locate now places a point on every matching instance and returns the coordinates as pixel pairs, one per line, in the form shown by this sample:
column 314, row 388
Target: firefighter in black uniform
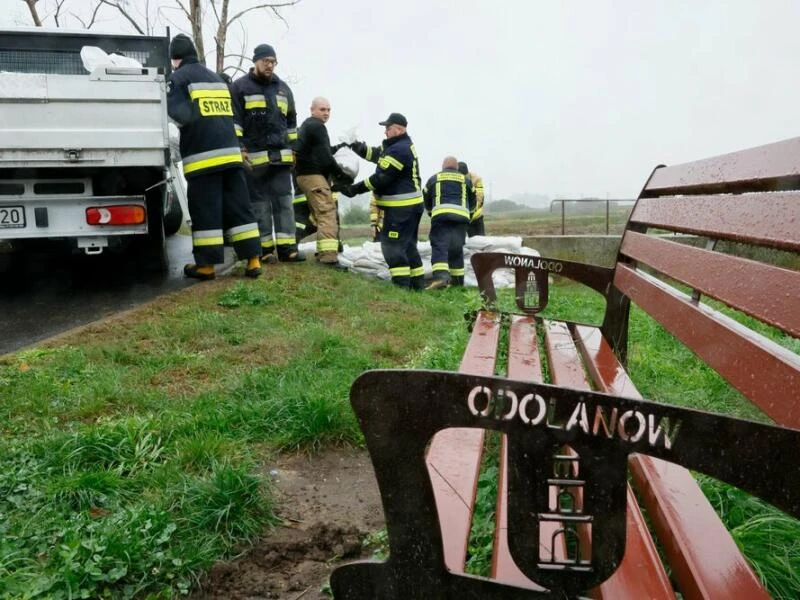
column 449, row 200
column 397, row 188
column 266, row 123
column 199, row 101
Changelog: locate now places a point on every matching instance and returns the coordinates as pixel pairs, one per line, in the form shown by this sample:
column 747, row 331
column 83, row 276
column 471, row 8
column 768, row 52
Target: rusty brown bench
column 596, row 497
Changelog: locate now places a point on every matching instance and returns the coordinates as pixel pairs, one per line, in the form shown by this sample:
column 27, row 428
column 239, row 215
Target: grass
column 132, row 449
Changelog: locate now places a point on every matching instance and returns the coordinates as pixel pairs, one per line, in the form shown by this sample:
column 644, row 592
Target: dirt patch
column 328, row 503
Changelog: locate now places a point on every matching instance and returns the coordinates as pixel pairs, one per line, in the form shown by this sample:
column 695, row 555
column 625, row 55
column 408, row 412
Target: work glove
column 337, row 147
column 359, row 148
column 343, row 178
column 347, row 190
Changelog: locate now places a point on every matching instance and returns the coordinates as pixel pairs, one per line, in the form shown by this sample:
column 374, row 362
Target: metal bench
column 595, row 494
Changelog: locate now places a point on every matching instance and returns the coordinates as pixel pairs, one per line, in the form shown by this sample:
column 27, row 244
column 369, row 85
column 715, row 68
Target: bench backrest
column 744, row 209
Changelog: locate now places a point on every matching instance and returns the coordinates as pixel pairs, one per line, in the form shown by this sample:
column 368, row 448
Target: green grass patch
column 132, row 450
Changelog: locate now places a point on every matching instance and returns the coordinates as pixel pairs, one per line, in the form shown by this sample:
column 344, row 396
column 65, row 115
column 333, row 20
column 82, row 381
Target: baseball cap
column 394, row 119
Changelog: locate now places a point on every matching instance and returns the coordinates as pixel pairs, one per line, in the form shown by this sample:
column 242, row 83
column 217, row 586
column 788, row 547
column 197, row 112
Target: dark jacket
column 449, row 196
column 199, row 101
column 266, row 119
column 396, row 181
column 313, row 152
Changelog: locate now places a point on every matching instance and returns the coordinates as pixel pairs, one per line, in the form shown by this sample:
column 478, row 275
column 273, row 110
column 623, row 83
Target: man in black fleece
column 315, row 167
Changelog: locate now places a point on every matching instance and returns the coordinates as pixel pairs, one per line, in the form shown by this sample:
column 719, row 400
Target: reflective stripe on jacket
column 266, row 119
column 449, row 194
column 199, row 101
column 396, row 181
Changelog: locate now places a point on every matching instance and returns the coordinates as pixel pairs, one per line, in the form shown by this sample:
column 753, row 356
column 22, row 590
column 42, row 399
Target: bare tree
column 227, row 14
column 222, row 14
column 34, row 12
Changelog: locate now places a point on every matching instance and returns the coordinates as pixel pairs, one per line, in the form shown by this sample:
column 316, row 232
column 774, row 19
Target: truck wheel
column 152, row 248
column 173, row 215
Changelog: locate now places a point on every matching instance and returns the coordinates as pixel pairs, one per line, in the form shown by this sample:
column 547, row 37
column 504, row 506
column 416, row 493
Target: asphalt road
column 59, row 295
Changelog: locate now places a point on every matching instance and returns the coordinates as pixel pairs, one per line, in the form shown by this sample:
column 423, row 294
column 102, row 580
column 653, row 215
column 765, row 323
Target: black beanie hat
column 462, row 168
column 181, row 46
column 263, row 51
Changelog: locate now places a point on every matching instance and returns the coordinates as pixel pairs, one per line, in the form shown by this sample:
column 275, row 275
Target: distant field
column 525, row 223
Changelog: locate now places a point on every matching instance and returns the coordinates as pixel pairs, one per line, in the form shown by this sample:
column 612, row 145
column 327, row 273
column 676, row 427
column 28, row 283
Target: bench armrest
column 531, row 276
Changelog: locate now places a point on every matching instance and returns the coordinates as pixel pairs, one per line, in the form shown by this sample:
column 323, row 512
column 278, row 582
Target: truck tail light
column 119, row 214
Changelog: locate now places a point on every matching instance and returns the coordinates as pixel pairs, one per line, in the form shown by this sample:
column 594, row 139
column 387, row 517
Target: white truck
column 85, row 157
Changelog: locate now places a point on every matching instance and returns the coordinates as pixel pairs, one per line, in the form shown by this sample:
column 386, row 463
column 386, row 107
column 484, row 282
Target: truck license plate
column 12, row 217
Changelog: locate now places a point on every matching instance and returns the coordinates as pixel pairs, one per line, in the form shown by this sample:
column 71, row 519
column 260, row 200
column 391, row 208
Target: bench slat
column 523, row 364
column 764, row 219
column 454, row 476
column 706, row 561
column 766, row 292
column 754, row 168
column 641, row 574
column 766, row 373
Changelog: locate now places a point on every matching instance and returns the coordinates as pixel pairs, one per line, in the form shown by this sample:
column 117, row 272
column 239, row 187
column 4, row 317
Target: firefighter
column 315, row 167
column 266, row 123
column 375, row 218
column 397, row 189
column 476, row 226
column 199, row 102
column 449, row 200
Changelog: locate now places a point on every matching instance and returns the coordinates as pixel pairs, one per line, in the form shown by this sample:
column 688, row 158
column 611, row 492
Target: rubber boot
column 201, row 272
column 290, row 254
column 253, row 268
column 438, row 283
column 418, row 283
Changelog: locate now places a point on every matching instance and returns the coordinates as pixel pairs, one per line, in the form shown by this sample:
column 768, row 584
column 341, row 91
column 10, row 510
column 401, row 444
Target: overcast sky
column 563, row 97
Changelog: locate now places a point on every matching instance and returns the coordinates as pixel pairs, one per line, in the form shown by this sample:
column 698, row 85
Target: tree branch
column 271, row 5
column 87, row 25
column 57, row 14
column 124, row 13
column 34, row 13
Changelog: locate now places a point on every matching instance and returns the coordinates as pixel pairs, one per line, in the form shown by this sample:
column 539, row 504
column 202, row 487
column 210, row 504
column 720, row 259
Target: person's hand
column 359, row 148
column 337, row 147
column 345, row 178
column 375, row 232
column 347, row 190
column 245, row 155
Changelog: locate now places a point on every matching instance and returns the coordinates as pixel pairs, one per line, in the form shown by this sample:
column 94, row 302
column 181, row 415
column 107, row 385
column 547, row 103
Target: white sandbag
column 348, row 161
column 367, row 259
column 94, row 57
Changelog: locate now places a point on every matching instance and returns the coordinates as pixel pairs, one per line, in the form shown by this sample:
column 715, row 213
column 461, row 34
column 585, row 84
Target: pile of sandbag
column 368, row 258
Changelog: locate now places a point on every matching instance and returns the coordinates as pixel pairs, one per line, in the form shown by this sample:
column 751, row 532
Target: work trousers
column 476, row 228
column 323, row 208
column 219, row 209
column 399, row 245
column 304, row 223
column 271, row 196
column 447, row 239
